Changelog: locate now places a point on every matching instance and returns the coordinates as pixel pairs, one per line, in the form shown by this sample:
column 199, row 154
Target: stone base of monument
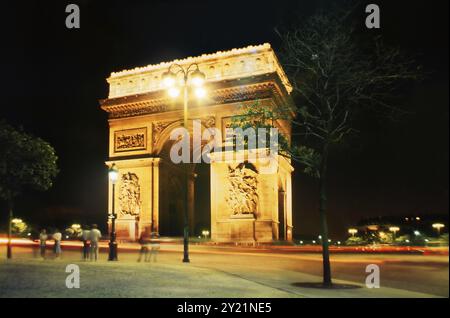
column 242, row 229
column 126, row 229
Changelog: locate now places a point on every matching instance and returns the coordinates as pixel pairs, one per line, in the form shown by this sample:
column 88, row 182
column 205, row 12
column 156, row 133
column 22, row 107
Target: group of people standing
column 90, row 239
column 91, row 236
column 43, row 237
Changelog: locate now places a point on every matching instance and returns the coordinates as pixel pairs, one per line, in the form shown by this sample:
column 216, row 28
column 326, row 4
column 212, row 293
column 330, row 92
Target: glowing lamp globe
column 169, row 79
column 198, row 78
column 113, row 173
column 173, row 92
column 200, row 92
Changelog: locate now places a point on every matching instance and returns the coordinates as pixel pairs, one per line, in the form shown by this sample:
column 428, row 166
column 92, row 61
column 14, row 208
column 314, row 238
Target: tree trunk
column 323, row 217
column 8, row 245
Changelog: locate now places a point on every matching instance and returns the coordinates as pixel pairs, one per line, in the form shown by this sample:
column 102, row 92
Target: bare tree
column 336, row 75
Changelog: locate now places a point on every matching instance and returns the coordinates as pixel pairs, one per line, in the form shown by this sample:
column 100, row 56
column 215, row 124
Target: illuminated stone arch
column 137, row 102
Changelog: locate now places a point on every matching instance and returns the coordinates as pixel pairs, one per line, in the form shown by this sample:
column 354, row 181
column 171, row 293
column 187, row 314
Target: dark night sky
column 53, row 77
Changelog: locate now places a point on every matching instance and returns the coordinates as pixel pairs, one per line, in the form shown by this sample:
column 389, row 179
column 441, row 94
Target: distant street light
column 113, row 174
column 352, row 231
column 438, row 227
column 394, row 230
column 205, row 233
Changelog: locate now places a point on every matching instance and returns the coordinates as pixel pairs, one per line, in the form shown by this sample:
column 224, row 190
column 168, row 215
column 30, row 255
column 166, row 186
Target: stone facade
column 256, row 215
column 246, row 205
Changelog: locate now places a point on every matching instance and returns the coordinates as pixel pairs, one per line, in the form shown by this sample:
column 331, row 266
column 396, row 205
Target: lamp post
column 352, row 232
column 205, row 233
column 113, row 174
column 191, row 76
column 438, row 227
column 394, row 230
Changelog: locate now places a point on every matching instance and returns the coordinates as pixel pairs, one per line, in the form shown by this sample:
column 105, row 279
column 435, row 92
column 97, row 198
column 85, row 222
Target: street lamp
column 352, row 232
column 205, row 233
column 113, row 174
column 394, row 230
column 192, row 76
column 438, row 227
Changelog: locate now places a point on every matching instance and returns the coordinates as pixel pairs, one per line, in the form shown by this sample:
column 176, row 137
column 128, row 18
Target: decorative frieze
column 130, row 140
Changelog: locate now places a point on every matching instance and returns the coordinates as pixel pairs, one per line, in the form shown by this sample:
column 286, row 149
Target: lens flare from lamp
column 173, row 92
column 197, row 81
column 200, row 92
column 198, row 78
column 168, row 79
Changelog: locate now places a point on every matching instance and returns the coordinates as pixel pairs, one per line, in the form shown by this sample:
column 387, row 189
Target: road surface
column 226, row 272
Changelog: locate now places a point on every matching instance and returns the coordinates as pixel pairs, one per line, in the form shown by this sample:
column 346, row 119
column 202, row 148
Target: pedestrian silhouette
column 144, row 241
column 43, row 242
column 94, row 237
column 154, row 245
column 57, row 236
column 85, row 238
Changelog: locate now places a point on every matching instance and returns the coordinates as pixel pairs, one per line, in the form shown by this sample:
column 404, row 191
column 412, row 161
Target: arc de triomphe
column 149, row 191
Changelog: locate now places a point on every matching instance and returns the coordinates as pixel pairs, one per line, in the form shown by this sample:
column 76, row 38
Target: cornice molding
column 218, row 67
column 253, row 88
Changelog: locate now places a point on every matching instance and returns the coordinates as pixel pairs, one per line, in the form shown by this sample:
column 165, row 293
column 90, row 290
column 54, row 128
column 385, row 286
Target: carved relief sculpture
column 130, row 139
column 130, row 195
column 242, row 194
column 158, row 127
column 209, row 122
